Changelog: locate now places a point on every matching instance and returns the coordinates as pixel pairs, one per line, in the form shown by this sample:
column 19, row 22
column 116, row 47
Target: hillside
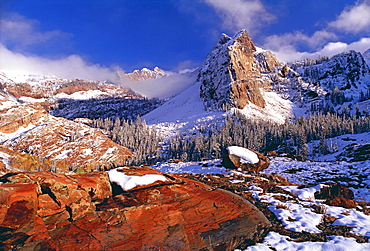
column 32, row 139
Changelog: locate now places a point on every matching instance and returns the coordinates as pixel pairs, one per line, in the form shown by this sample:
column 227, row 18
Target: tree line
column 136, row 135
column 209, row 142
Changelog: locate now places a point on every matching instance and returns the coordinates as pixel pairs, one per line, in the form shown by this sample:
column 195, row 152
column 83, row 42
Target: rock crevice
column 81, row 212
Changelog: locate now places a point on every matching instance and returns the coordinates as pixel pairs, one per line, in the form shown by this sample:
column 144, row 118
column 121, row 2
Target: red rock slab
column 188, row 215
column 18, row 205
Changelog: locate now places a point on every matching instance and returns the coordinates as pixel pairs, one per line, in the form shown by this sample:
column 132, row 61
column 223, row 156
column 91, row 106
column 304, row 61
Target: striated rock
column 231, row 73
column 81, row 212
column 245, row 159
column 29, row 129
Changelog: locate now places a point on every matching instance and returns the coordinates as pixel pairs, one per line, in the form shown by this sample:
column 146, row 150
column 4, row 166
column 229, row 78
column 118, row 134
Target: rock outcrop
column 46, row 211
column 29, row 129
column 247, row 160
column 231, row 73
column 337, row 195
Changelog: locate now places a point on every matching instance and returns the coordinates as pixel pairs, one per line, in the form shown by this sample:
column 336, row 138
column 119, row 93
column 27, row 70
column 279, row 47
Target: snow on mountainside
column 238, row 76
column 183, row 112
column 37, row 88
column 366, row 56
column 75, row 98
column 151, row 84
column 27, row 128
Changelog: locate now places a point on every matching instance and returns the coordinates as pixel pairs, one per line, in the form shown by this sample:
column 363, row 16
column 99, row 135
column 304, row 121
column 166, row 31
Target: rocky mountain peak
column 243, row 40
column 231, row 73
column 143, row 74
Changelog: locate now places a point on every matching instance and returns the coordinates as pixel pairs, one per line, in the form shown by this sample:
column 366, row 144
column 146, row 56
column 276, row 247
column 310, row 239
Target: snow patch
column 127, row 182
column 276, row 241
column 82, row 95
column 10, row 136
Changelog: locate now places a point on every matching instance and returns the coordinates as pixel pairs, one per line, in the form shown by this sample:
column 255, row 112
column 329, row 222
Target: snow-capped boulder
column 239, row 157
column 48, row 211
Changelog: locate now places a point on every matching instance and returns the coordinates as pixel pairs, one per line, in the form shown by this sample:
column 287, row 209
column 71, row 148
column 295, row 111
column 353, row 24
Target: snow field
column 296, row 212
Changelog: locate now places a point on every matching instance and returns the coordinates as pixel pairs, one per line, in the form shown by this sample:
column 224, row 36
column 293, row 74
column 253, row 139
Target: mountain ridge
column 238, row 76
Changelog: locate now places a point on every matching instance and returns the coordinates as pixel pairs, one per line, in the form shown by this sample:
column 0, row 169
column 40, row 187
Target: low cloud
column 241, row 14
column 290, row 54
column 164, row 87
column 354, row 19
column 70, row 67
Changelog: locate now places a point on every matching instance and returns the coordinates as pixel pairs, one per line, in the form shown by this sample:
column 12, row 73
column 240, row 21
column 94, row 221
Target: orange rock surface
column 82, row 212
column 28, row 128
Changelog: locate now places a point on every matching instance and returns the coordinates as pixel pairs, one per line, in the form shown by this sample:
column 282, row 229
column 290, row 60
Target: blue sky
column 80, row 38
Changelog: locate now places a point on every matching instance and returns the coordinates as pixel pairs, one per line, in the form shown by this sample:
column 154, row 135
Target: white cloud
column 325, row 42
column 354, row 19
column 293, row 40
column 241, row 14
column 289, row 53
column 71, row 67
column 22, row 32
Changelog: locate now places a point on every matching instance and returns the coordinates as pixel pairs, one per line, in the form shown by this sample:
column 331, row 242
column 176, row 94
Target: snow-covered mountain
column 143, row 74
column 75, row 98
column 238, row 76
column 28, row 132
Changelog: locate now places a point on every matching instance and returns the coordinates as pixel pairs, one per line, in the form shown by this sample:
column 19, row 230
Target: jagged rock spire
column 230, row 71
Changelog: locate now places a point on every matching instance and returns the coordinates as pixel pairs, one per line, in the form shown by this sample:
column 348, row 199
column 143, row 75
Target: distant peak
column 145, row 74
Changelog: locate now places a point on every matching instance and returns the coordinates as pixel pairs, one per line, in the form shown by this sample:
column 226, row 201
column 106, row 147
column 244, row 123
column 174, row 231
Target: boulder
column 337, row 195
column 235, row 157
column 47, row 211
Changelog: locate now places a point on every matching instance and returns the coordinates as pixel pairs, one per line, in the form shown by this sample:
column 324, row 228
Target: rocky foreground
column 48, row 211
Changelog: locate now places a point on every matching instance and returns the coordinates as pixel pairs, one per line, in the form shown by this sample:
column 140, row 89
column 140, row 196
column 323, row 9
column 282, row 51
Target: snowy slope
column 280, row 92
column 366, row 56
column 183, row 112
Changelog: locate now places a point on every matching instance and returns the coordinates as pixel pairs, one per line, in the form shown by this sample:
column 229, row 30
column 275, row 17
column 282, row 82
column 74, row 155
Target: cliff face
column 47, row 211
column 231, row 73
